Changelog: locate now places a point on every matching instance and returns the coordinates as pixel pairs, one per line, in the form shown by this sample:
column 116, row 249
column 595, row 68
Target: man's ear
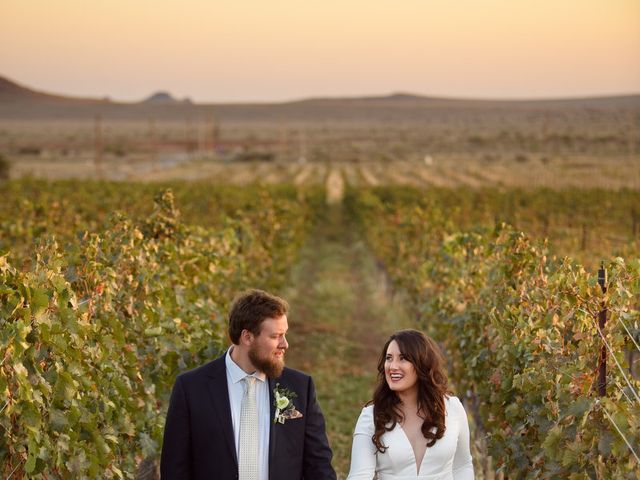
column 246, row 337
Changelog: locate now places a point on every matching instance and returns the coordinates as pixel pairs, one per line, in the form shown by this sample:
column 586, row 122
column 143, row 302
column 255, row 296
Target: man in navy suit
column 245, row 415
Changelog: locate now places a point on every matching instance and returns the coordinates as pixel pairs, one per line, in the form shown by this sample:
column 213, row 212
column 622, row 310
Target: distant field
column 442, row 171
column 399, row 139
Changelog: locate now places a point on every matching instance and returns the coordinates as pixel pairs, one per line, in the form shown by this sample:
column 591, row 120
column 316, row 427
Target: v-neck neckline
column 413, row 452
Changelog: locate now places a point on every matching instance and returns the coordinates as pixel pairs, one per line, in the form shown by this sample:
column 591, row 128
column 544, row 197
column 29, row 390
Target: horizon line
column 335, row 97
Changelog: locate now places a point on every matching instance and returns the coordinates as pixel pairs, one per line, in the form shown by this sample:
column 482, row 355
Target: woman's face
column 399, row 372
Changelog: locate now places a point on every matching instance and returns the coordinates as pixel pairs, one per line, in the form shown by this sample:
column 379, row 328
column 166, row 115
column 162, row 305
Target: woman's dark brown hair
column 424, row 354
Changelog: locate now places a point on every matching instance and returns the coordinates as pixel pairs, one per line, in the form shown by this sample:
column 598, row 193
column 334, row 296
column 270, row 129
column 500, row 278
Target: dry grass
column 420, row 143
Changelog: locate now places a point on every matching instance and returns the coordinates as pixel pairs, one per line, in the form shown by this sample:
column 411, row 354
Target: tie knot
column 250, row 380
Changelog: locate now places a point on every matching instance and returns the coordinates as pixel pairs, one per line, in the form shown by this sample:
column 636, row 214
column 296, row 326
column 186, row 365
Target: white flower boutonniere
column 283, row 401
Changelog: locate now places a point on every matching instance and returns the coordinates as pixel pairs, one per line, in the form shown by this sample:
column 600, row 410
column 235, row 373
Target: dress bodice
column 448, row 459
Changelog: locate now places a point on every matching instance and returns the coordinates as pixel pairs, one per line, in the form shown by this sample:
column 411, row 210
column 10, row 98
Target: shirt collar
column 237, row 374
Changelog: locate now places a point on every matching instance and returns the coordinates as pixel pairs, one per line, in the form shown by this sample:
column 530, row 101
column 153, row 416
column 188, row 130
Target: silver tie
column 248, row 454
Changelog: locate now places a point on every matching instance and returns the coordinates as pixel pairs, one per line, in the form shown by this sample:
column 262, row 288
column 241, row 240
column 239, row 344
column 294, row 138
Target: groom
column 245, row 415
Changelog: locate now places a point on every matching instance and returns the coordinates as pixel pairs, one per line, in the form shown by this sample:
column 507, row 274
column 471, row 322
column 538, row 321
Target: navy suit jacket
column 198, row 434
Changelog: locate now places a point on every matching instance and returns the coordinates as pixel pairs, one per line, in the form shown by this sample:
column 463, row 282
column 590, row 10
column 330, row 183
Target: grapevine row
column 93, row 333
column 586, row 224
column 519, row 328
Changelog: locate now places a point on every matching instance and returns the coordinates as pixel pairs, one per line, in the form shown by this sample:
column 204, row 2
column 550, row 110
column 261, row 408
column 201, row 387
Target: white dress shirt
column 448, row 459
column 235, row 374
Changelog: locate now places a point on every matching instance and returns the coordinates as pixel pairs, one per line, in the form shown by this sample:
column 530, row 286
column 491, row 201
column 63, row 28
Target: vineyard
column 109, row 290
column 520, row 329
column 96, row 325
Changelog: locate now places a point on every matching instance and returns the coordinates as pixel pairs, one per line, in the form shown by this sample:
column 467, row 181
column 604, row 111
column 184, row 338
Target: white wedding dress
column 448, row 459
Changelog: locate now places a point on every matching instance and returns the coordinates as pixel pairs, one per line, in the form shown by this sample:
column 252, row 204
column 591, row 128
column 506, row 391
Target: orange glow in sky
column 244, row 50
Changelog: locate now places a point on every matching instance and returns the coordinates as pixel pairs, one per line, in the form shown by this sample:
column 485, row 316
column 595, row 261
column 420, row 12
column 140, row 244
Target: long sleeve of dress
column 462, row 464
column 363, row 451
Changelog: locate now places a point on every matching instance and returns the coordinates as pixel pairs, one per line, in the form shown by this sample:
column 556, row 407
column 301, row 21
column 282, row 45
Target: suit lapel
column 272, row 427
column 219, row 391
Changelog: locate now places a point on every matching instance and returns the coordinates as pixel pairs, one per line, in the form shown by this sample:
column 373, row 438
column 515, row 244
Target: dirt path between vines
column 342, row 311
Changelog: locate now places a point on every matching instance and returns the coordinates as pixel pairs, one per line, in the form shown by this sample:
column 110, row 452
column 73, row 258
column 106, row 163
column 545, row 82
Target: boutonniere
column 283, row 401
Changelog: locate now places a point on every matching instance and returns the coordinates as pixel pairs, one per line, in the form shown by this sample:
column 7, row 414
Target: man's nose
column 283, row 343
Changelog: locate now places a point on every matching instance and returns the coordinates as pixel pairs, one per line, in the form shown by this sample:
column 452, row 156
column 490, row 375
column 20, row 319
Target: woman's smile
column 399, row 371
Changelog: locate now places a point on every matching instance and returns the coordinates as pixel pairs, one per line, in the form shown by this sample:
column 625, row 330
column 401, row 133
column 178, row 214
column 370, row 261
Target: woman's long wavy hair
column 426, row 357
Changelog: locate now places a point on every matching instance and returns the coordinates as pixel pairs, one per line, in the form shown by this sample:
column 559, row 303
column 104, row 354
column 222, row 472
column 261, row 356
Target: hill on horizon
column 166, row 98
column 20, row 102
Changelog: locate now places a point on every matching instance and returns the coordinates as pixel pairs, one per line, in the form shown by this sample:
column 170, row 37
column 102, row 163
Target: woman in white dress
column 414, row 429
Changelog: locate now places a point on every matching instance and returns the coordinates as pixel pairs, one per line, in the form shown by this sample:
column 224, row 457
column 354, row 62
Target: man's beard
column 271, row 368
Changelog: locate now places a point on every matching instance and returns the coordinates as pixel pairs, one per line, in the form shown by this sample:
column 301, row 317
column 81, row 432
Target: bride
column 413, row 428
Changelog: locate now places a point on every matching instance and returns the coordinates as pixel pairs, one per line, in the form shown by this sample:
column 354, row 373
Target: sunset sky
column 265, row 50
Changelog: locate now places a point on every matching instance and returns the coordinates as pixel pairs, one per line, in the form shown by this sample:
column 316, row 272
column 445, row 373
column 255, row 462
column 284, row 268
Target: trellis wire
column 617, row 363
column 621, row 434
column 629, row 333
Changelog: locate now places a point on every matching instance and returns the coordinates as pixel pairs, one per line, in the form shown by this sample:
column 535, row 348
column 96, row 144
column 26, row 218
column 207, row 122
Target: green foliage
column 585, row 224
column 32, row 209
column 93, row 334
column 520, row 334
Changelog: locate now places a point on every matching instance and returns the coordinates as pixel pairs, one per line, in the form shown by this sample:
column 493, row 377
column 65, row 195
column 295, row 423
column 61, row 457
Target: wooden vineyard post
column 302, row 142
column 602, row 318
column 584, row 238
column 152, row 142
column 188, row 136
column 97, row 145
column 215, row 134
column 202, row 137
column 631, row 135
column 284, row 142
